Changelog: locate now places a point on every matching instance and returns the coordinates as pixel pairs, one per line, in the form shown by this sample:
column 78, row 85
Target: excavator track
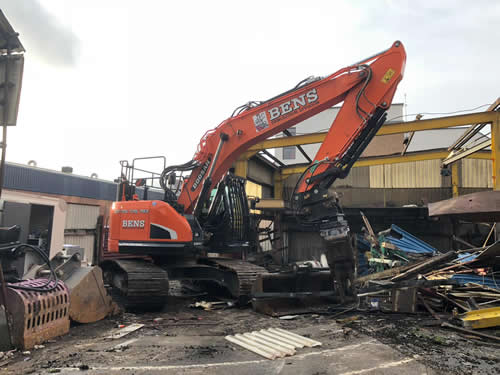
column 137, row 284
column 243, row 273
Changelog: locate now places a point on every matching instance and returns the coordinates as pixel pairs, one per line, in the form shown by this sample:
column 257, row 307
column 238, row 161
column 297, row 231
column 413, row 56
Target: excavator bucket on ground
column 89, row 301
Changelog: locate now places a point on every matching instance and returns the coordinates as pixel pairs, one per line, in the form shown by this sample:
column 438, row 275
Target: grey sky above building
column 106, row 81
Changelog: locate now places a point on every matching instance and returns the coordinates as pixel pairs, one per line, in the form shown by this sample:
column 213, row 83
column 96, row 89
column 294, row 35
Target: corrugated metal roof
column 23, row 177
column 439, row 138
column 9, row 38
column 20, row 177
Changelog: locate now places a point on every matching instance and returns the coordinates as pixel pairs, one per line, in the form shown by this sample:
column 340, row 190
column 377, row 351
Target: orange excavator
column 207, row 211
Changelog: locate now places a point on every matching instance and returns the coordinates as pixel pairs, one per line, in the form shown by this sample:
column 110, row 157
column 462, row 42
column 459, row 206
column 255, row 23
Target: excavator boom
column 363, row 88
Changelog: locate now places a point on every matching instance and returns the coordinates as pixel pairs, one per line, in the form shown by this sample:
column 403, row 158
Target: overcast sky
column 111, row 80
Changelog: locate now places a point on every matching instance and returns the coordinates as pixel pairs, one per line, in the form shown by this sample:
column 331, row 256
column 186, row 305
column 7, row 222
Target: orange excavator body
column 364, row 88
column 193, row 219
column 134, row 223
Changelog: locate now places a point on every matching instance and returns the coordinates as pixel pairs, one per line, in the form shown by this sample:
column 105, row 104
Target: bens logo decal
column 286, row 109
column 133, row 223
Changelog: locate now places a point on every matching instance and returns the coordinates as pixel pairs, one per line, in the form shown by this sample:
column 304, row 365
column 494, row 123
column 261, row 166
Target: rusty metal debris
column 455, row 286
column 89, row 300
column 482, row 206
column 38, row 317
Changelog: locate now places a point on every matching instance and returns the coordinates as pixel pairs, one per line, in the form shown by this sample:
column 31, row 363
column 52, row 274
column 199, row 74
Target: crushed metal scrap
column 457, row 288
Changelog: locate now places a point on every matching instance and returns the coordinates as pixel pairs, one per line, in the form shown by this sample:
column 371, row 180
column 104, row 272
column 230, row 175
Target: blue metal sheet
column 486, row 281
column 407, row 242
column 466, row 257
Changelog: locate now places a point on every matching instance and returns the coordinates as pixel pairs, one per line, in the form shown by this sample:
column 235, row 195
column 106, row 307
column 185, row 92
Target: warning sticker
column 260, row 121
column 388, row 75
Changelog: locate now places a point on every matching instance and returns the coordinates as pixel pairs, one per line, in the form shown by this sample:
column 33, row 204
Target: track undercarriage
column 138, row 284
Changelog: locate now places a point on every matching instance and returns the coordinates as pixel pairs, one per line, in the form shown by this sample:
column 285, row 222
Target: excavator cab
column 224, row 224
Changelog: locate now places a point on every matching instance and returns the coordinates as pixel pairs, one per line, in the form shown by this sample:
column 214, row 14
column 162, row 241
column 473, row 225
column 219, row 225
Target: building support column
column 278, row 185
column 455, row 179
column 241, row 168
column 495, row 151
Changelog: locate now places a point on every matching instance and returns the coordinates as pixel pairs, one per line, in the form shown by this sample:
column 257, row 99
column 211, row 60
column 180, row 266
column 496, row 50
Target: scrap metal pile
column 39, row 296
column 401, row 273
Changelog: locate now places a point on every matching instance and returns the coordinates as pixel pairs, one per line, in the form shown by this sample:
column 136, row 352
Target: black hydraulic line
column 45, row 258
column 4, row 302
column 354, row 152
column 207, row 184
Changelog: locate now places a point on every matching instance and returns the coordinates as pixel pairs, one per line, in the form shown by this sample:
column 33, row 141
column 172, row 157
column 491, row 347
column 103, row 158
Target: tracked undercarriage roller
column 136, row 283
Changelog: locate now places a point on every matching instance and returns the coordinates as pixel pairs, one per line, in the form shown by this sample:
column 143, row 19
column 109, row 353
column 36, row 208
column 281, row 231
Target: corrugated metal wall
column 259, row 172
column 417, row 174
column 80, row 228
column 358, row 177
column 477, row 173
column 305, row 246
column 81, row 216
column 85, row 241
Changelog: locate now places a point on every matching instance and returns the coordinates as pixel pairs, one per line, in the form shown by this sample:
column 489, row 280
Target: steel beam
column 438, row 123
column 473, row 130
column 395, row 128
column 365, row 162
column 278, row 184
column 466, row 153
column 455, row 180
column 495, row 151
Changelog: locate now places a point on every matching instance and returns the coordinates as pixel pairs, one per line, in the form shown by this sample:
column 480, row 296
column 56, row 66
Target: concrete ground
column 190, row 341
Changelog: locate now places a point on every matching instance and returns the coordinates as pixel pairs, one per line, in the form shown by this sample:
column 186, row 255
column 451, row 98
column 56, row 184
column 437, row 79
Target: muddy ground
column 181, row 339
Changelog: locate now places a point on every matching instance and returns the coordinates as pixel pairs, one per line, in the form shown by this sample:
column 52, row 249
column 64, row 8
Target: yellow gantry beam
column 395, row 128
column 495, row 151
column 365, row 162
column 489, row 117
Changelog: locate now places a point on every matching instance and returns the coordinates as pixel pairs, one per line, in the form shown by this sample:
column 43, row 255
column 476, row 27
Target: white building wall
column 59, row 220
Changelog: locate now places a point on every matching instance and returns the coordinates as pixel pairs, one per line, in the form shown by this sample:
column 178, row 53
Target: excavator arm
column 175, row 230
column 366, row 89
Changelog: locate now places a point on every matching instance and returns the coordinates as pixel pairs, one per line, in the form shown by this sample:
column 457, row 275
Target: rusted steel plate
column 482, row 206
column 37, row 316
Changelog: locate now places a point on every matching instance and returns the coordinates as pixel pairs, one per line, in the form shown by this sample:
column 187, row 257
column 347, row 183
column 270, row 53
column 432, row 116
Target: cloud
column 40, row 32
